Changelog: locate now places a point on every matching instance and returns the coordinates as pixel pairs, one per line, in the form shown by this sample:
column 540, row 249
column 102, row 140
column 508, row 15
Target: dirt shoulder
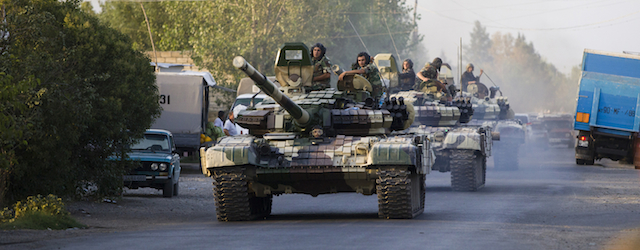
column 136, row 209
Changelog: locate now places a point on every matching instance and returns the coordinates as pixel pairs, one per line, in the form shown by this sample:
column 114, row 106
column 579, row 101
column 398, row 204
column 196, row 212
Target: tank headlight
column 154, row 166
column 163, row 166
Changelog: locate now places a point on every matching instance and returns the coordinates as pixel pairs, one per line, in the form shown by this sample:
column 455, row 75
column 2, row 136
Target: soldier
column 468, row 77
column 321, row 68
column 407, row 77
column 432, row 86
column 436, row 64
column 368, row 70
column 422, row 75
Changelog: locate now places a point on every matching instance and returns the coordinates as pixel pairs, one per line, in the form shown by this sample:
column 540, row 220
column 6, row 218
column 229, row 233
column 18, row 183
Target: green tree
column 531, row 83
column 218, row 30
column 94, row 93
column 477, row 51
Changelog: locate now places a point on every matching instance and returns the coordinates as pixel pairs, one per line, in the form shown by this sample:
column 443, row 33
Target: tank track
column 401, row 194
column 505, row 155
column 468, row 170
column 232, row 198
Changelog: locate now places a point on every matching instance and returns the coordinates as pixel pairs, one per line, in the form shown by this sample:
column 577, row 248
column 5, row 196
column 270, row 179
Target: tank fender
column 230, row 151
column 394, row 152
column 464, row 139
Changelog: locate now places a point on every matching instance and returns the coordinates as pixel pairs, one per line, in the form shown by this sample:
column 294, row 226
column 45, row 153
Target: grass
column 41, row 221
column 37, row 212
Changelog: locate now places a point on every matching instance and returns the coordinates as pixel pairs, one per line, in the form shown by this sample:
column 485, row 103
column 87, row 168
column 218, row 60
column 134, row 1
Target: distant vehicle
column 607, row 116
column 526, row 122
column 159, row 164
column 538, row 136
column 559, row 129
column 184, row 98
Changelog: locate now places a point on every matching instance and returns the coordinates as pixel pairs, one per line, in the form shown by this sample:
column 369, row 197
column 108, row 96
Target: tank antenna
column 494, row 84
column 365, row 47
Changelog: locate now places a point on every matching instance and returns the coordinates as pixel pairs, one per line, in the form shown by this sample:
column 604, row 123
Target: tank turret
column 334, row 111
column 298, row 113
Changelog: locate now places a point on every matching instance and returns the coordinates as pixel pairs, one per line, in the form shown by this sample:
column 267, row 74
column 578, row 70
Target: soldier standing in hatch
column 408, row 77
column 368, row 70
column 321, row 68
column 468, row 77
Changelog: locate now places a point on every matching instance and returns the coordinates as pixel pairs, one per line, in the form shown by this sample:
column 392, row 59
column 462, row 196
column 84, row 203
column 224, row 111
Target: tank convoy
column 320, row 142
column 459, row 148
column 495, row 111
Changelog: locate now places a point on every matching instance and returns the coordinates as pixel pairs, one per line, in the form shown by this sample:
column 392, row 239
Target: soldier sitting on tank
column 369, row 71
column 433, row 87
column 468, row 77
column 407, row 78
column 321, row 68
column 436, row 64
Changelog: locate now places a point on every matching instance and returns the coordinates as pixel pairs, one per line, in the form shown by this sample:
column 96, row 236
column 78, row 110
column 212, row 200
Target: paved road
column 550, row 203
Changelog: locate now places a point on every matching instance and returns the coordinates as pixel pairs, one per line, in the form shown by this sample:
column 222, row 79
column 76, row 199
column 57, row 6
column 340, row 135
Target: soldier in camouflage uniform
column 368, row 70
column 432, row 86
column 321, row 68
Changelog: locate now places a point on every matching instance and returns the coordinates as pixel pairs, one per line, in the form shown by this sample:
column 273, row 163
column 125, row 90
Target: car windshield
column 246, row 102
column 153, row 142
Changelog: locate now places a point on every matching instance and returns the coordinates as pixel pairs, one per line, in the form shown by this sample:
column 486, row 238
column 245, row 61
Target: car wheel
column 167, row 191
column 175, row 188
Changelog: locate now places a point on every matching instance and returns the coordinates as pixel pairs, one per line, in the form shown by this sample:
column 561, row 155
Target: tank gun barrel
column 298, row 113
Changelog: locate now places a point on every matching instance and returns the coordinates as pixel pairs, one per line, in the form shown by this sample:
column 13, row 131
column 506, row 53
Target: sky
column 560, row 30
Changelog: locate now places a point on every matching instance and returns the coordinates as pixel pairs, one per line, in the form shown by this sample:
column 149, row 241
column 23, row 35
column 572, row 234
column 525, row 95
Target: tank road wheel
column 505, row 156
column 400, row 194
column 230, row 191
column 468, row 170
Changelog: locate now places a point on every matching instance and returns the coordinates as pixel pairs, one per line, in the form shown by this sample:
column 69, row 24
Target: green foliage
column 37, row 212
column 480, row 44
column 531, row 83
column 218, row 30
column 94, row 93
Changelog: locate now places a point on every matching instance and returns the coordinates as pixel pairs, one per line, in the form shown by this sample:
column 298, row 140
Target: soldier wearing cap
column 468, row 77
column 321, row 68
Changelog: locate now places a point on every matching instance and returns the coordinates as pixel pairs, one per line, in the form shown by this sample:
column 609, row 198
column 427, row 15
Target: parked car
column 158, row 163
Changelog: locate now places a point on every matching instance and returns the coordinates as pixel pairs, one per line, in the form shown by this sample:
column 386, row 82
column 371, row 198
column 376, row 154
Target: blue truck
column 607, row 117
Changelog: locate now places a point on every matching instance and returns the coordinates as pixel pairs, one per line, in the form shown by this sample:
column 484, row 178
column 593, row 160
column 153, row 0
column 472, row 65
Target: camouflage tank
column 495, row 111
column 459, row 148
column 320, row 142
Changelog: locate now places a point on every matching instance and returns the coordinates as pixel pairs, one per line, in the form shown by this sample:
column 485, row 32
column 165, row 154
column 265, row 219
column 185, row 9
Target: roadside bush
column 37, row 212
column 95, row 95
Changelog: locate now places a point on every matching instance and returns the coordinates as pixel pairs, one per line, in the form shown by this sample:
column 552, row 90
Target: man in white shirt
column 230, row 126
column 218, row 122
